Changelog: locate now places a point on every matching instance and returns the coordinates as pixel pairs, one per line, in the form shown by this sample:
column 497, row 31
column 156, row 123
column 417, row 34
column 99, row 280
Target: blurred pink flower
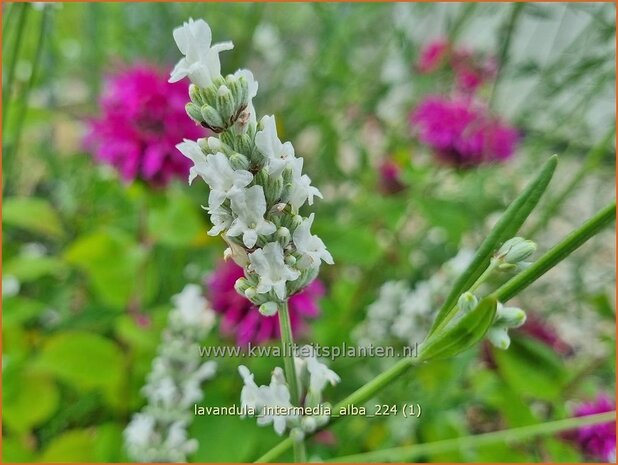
column 471, row 69
column 462, row 132
column 538, row 329
column 242, row 320
column 432, row 56
column 596, row 441
column 142, row 119
column 390, row 178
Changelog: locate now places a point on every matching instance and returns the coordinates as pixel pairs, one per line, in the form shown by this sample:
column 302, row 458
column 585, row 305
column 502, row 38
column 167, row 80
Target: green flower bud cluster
column 218, row 106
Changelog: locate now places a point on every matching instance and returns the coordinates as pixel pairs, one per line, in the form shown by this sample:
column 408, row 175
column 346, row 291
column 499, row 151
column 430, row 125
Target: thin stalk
column 399, row 454
column 7, row 88
column 287, row 343
column 503, row 58
column 557, row 253
column 503, row 294
column 591, row 161
column 25, row 96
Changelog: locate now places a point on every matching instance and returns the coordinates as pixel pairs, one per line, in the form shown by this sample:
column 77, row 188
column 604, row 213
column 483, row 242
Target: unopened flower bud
column 296, row 221
column 499, row 337
column 214, row 144
column 194, row 112
column 510, row 317
column 283, row 236
column 308, row 424
column 225, row 103
column 195, row 95
column 250, row 293
column 268, row 309
column 297, row 435
column 290, row 260
column 239, row 161
column 240, row 88
column 212, row 118
column 242, row 285
column 515, row 250
column 467, row 302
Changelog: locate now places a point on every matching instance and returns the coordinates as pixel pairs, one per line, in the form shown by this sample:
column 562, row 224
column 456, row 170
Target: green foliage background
column 74, row 355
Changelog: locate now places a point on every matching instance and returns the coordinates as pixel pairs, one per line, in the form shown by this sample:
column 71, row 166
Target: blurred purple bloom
column 597, row 441
column 462, row 132
column 432, row 56
column 242, row 320
column 142, row 119
column 390, row 178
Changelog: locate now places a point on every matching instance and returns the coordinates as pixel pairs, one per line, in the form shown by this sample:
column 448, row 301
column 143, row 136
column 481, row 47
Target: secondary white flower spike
column 250, row 206
column 273, row 272
column 159, row 432
column 201, row 63
column 280, row 155
column 311, row 247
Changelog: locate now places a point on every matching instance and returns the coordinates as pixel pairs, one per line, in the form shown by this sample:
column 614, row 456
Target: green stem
column 7, row 88
column 557, row 253
column 25, row 96
column 287, row 343
column 407, row 453
column 503, row 58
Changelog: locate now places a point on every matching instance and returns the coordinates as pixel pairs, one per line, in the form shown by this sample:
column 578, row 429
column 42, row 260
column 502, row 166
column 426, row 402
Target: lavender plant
column 257, row 188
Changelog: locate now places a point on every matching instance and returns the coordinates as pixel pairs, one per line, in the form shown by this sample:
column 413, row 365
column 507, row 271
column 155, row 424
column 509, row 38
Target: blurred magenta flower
column 142, row 119
column 542, row 331
column 390, row 178
column 596, row 441
column 462, row 132
column 471, row 69
column 242, row 320
column 432, row 56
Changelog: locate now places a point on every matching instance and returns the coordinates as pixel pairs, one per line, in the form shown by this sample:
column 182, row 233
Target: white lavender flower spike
column 159, row 432
column 257, row 184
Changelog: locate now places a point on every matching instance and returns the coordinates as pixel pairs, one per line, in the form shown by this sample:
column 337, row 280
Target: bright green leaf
column 32, row 214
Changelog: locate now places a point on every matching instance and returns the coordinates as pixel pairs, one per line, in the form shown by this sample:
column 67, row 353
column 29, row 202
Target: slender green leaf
column 462, row 334
column 506, row 227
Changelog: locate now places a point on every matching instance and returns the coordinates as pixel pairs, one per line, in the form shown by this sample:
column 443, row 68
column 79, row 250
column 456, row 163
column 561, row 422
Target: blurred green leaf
column 531, row 369
column 27, row 269
column 17, row 310
column 109, row 446
column 15, row 450
column 176, row 221
column 111, row 259
column 85, row 360
column 71, row 446
column 32, row 214
column 28, row 399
